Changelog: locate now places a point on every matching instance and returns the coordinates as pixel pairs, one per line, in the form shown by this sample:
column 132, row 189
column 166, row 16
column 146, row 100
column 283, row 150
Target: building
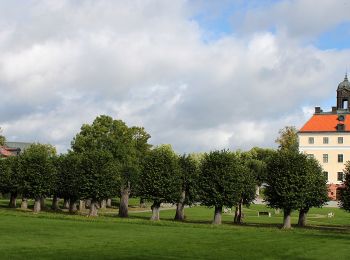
column 13, row 148
column 326, row 137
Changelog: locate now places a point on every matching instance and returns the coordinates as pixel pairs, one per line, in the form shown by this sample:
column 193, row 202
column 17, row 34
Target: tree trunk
column 155, row 211
column 217, row 215
column 237, row 214
column 180, row 212
column 87, row 203
column 81, row 205
column 93, row 208
column 24, row 204
column 37, row 205
column 109, row 203
column 302, row 217
column 66, row 203
column 142, row 203
column 103, row 204
column 13, row 200
column 72, row 206
column 42, row 203
column 124, row 202
column 286, row 219
column 55, row 201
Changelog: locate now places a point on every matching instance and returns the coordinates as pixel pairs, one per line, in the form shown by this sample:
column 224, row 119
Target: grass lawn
column 47, row 235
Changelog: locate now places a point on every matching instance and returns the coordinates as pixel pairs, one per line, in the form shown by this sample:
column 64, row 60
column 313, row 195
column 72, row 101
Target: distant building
column 13, row 148
column 326, row 137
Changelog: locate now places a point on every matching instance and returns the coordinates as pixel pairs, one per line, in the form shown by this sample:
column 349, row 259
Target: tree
column 285, row 182
column 345, row 192
column 37, row 167
column 220, row 181
column 126, row 145
column 2, row 138
column 315, row 191
column 189, row 171
column 159, row 179
column 99, row 177
column 10, row 180
column 69, row 178
column 138, row 152
column 288, row 139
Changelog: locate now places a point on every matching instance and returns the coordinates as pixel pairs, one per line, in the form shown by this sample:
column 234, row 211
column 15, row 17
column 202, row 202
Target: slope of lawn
column 48, row 235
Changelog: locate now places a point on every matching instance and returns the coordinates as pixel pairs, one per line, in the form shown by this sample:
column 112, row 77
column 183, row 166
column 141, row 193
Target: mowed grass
column 48, row 235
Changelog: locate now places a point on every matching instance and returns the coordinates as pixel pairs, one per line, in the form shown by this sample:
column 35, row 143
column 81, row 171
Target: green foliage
column 10, row 180
column 69, row 176
column 220, row 181
column 128, row 146
column 37, row 167
column 345, row 192
column 99, row 175
column 189, row 174
column 160, row 179
column 2, row 138
column 288, row 139
column 287, row 176
column 315, row 191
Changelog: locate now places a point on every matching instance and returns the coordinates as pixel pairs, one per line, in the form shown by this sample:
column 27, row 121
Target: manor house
column 326, row 137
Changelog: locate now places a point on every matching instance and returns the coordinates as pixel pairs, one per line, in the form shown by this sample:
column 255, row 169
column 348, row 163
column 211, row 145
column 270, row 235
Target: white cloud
column 64, row 63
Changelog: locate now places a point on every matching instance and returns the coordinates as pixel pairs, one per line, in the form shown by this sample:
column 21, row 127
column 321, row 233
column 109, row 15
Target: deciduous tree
column 285, row 182
column 314, row 191
column 159, row 179
column 37, row 167
column 189, row 172
column 345, row 192
column 288, row 139
column 220, row 181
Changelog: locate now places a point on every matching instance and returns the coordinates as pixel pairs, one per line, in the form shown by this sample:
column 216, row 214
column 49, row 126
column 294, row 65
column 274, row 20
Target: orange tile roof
column 325, row 123
column 4, row 152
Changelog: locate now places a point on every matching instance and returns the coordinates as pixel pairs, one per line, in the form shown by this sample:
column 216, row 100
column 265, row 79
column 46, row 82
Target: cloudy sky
column 197, row 74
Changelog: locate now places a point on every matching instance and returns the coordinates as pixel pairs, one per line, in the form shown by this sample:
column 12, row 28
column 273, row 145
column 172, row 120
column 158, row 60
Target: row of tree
column 110, row 159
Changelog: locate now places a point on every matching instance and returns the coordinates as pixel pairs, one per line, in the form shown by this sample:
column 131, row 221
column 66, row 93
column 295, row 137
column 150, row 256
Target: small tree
column 220, row 181
column 10, row 179
column 37, row 167
column 159, row 180
column 99, row 177
column 345, row 192
column 315, row 191
column 188, row 179
column 69, row 177
column 288, row 139
column 285, row 182
column 2, row 138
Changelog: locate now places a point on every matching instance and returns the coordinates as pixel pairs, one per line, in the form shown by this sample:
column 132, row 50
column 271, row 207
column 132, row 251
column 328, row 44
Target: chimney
column 318, row 110
column 334, row 109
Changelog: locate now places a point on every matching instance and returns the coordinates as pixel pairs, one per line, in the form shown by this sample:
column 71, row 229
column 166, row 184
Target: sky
column 199, row 75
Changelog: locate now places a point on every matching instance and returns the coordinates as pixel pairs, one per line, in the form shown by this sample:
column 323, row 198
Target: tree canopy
column 288, row 139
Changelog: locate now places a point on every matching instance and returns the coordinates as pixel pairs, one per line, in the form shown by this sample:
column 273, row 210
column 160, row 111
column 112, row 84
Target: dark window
column 325, row 158
column 325, row 140
column 311, row 155
column 311, row 140
column 340, row 158
column 340, row 176
column 340, row 140
column 326, row 175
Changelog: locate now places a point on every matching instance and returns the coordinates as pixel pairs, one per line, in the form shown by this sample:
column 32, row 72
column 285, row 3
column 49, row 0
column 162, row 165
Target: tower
column 343, row 95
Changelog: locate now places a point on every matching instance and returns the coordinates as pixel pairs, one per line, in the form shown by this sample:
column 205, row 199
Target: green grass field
column 48, row 235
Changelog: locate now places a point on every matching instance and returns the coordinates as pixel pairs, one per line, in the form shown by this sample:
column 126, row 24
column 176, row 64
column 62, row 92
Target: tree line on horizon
column 108, row 159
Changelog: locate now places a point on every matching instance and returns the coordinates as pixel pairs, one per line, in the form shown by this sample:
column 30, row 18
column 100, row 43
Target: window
column 340, row 176
column 340, row 140
column 325, row 140
column 325, row 158
column 310, row 156
column 326, row 175
column 340, row 158
column 311, row 140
